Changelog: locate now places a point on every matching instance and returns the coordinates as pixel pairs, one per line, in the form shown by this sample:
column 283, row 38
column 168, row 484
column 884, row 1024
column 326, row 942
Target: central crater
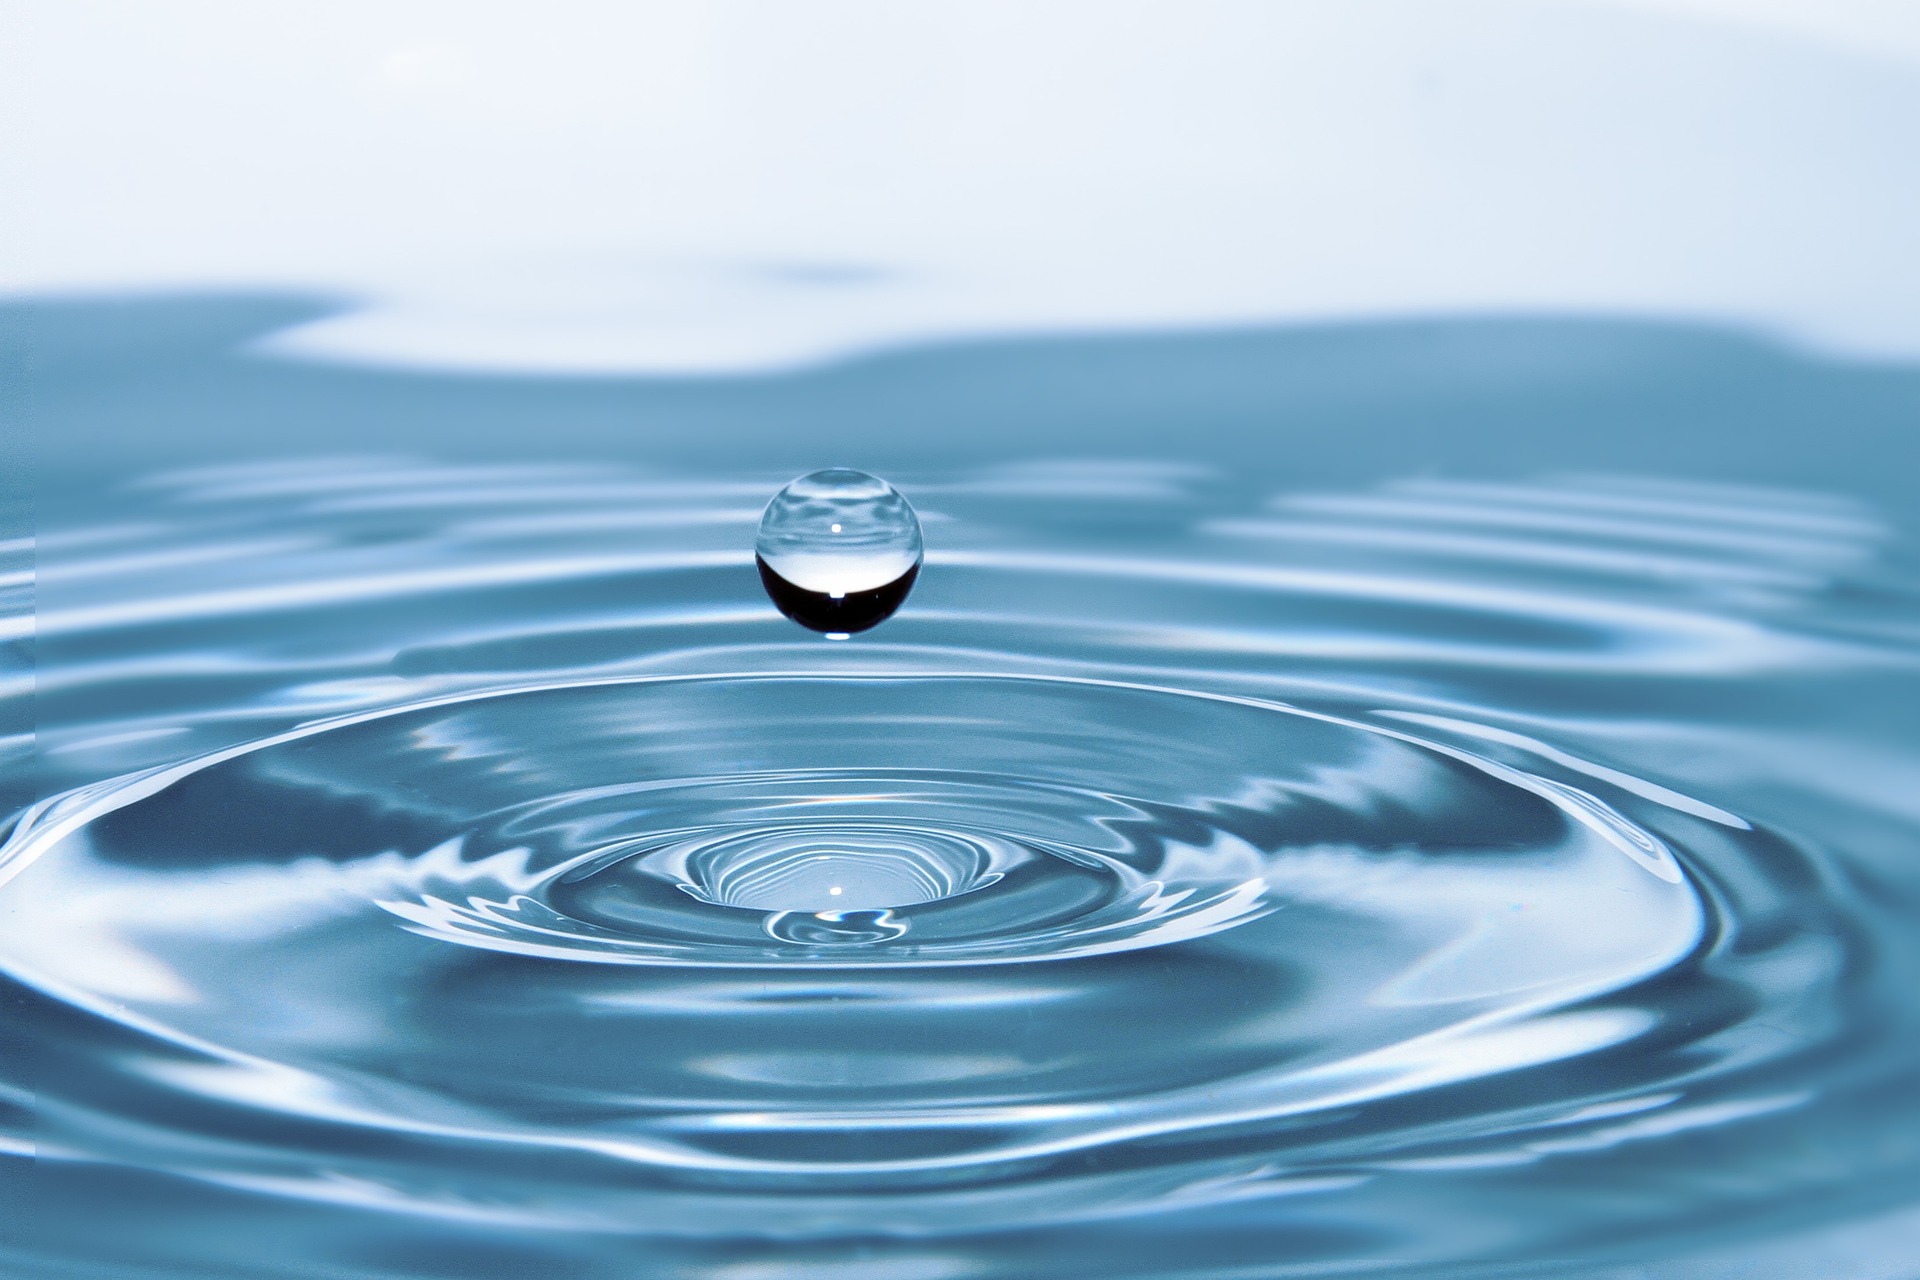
column 768, row 873
column 848, row 866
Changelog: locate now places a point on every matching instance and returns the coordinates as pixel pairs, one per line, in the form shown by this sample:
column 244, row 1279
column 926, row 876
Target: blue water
column 1421, row 800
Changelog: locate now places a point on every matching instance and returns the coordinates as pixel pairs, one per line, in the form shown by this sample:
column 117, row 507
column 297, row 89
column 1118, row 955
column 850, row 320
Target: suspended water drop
column 838, row 550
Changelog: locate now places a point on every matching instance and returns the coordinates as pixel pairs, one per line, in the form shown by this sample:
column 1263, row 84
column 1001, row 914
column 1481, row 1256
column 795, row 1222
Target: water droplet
column 838, row 550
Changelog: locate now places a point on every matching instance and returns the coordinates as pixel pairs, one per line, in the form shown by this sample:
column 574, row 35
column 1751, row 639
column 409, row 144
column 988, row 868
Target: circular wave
column 828, row 821
column 1106, row 881
column 1377, row 914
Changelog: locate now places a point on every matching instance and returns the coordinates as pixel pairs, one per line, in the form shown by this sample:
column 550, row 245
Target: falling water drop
column 838, row 550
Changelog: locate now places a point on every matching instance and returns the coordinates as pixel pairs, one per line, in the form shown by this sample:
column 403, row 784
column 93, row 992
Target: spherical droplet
column 838, row 550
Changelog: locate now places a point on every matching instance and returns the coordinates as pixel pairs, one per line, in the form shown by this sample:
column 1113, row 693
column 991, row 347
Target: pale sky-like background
column 737, row 184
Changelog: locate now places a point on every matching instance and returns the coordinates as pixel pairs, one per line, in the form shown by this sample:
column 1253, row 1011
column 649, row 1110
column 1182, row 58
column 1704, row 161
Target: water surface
column 1426, row 800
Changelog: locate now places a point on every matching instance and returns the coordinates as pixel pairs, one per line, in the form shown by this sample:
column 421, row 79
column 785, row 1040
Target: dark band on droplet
column 854, row 611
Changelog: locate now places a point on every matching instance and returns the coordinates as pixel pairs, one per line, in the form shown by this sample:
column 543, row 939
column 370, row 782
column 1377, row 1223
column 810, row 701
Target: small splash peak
column 838, row 550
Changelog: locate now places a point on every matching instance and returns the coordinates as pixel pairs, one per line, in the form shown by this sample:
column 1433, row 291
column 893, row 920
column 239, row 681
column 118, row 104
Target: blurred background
column 1605, row 191
column 687, row 187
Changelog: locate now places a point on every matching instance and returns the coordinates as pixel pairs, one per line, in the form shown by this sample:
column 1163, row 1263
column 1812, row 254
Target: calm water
column 1435, row 801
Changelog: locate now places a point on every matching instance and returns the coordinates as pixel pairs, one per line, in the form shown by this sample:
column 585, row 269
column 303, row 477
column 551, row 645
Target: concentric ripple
column 761, row 820
column 893, row 825
column 1367, row 904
